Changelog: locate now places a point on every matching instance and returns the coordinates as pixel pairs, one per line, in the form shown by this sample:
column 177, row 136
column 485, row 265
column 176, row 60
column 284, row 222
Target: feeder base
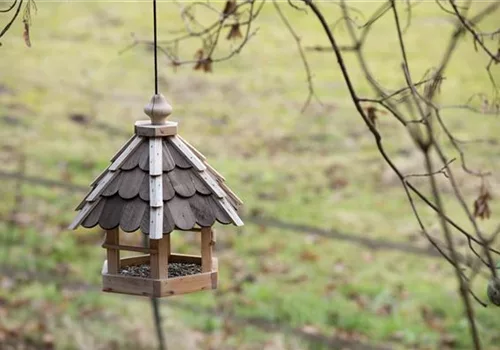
column 117, row 283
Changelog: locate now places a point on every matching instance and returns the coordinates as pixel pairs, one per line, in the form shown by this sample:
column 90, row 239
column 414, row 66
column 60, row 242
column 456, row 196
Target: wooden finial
column 158, row 109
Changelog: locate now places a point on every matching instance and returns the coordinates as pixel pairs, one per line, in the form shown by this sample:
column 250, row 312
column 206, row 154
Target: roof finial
column 158, row 109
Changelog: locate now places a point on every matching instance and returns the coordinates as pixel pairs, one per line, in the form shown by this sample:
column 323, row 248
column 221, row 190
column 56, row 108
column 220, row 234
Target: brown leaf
column 433, row 319
column 372, row 113
column 199, row 54
column 481, row 204
column 308, row 255
column 361, row 300
column 26, row 34
column 234, row 32
column 385, row 310
column 207, row 67
column 199, row 57
column 229, row 8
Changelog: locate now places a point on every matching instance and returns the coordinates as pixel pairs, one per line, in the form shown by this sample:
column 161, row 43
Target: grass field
column 318, row 169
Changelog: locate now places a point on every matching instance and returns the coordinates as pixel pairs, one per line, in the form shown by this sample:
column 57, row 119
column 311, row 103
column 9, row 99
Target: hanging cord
column 155, row 43
column 154, row 302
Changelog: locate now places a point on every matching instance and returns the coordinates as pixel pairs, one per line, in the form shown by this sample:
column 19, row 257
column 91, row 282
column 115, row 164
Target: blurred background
column 331, row 256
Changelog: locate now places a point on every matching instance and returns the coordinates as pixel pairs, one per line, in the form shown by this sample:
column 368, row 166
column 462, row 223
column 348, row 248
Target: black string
column 155, row 48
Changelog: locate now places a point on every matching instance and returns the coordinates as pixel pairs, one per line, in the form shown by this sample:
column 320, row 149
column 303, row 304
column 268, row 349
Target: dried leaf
column 234, row 32
column 26, row 34
column 199, row 54
column 481, row 204
column 207, row 66
column 229, row 8
column 372, row 113
column 308, row 255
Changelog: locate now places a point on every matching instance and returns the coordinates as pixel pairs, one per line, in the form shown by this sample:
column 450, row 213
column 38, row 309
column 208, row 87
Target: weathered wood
column 206, row 249
column 111, row 212
column 202, row 210
column 158, row 109
column 123, row 148
column 133, row 159
column 193, row 149
column 134, row 260
column 93, row 218
column 181, row 182
column 215, row 173
column 155, row 156
column 144, row 191
column 184, row 284
column 113, row 254
column 168, row 220
column 187, row 153
column 211, row 183
column 199, row 185
column 82, row 214
column 124, row 155
column 185, row 258
column 145, row 222
column 101, row 185
column 230, row 193
column 132, row 214
column 181, row 212
column 168, row 189
column 113, row 186
column 126, row 284
column 155, row 222
column 231, row 211
column 145, row 128
column 131, row 183
column 220, row 214
column 178, row 158
column 156, row 191
column 167, row 159
column 129, row 248
column 159, row 259
column 159, row 287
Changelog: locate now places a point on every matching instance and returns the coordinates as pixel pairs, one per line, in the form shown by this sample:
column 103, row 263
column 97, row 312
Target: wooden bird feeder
column 158, row 183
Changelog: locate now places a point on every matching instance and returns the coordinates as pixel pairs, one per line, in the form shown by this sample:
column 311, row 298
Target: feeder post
column 207, row 241
column 112, row 238
column 159, row 259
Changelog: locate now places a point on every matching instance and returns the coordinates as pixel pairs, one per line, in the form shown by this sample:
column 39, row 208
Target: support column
column 113, row 255
column 207, row 241
column 159, row 260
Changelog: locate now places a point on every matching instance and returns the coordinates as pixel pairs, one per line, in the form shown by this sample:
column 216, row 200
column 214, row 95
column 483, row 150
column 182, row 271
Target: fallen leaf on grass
column 330, row 287
column 360, row 300
column 308, row 255
column 432, row 318
column 384, row 310
column 447, row 341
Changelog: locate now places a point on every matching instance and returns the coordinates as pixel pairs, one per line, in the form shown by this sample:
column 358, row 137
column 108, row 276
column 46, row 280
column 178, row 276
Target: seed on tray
column 174, row 270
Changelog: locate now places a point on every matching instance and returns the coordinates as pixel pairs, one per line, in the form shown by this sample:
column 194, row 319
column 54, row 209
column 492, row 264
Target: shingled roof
column 158, row 184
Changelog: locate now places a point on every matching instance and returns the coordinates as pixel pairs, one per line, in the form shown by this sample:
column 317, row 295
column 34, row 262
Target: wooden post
column 113, row 238
column 159, row 260
column 206, row 249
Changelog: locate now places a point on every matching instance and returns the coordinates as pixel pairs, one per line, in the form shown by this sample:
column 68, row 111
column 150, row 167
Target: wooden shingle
column 158, row 184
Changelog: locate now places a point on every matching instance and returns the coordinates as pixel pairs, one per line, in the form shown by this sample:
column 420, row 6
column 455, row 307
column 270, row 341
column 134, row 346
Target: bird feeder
column 158, row 183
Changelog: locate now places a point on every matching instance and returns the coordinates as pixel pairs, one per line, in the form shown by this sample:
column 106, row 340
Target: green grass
column 245, row 117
